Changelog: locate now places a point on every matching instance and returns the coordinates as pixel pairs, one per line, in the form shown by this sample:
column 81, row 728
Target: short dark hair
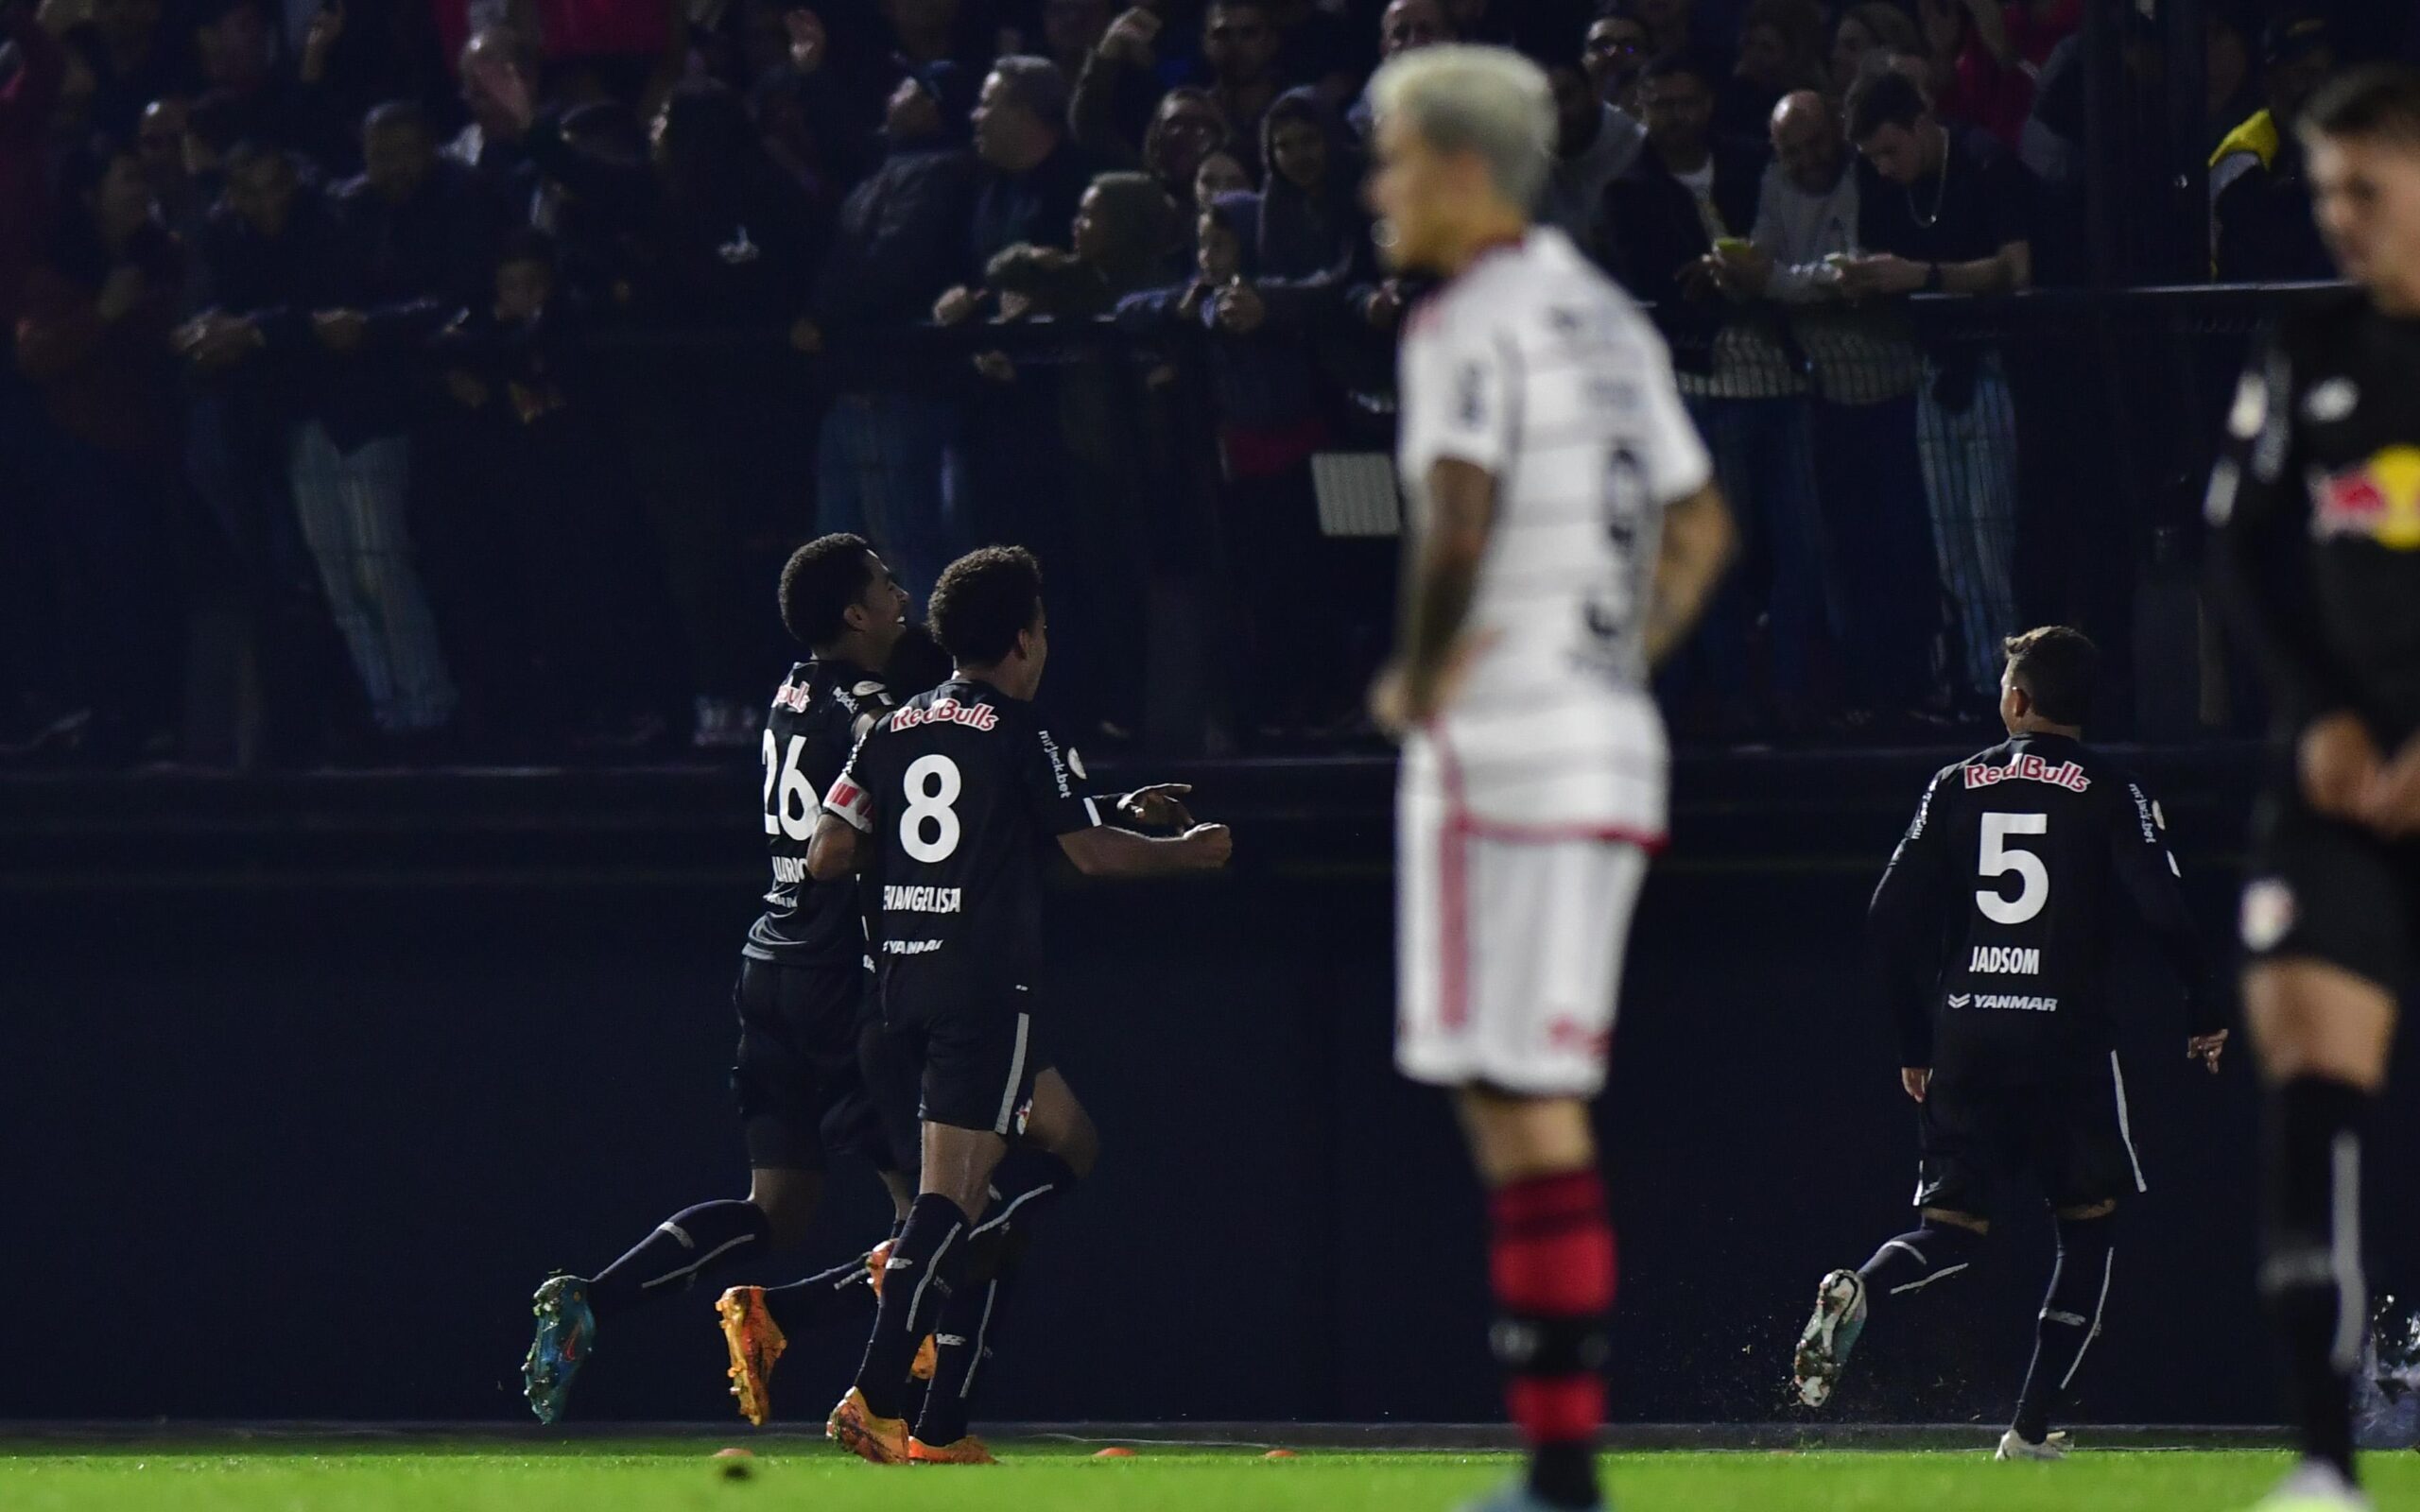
column 1889, row 98
column 820, row 582
column 984, row 601
column 2059, row 667
column 2380, row 100
column 1698, row 62
column 1036, row 84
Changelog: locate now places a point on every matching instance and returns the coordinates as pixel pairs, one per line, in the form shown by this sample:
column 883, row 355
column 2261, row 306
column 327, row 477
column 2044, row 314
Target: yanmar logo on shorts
column 947, row 712
column 2002, row 1003
column 2029, row 769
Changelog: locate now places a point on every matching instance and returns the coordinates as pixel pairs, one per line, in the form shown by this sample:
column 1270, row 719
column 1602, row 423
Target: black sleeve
column 2010, row 200
column 1904, row 925
column 1059, row 802
column 2260, row 515
column 2148, row 872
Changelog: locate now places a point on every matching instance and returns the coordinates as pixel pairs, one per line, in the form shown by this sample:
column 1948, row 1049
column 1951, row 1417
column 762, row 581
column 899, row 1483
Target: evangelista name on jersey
column 898, row 899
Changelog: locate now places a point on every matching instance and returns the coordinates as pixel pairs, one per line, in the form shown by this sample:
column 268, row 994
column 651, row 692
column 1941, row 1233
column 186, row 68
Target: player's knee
column 2310, row 1018
column 1513, row 1137
column 787, row 1199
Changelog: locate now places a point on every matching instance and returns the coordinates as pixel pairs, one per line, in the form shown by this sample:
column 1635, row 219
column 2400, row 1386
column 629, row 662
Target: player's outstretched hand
column 1213, row 843
column 2207, row 1048
column 1160, row 806
column 2339, row 762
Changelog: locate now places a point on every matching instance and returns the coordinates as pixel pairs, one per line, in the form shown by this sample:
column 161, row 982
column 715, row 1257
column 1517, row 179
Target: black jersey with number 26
column 959, row 791
column 1994, row 923
column 818, row 713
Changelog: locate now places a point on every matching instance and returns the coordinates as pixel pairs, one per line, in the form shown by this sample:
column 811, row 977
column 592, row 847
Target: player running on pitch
column 800, row 997
column 947, row 806
column 2317, row 509
column 1564, row 536
column 1993, row 928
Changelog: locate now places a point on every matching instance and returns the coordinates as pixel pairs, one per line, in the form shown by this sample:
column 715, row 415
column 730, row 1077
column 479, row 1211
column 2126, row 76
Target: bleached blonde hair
column 1486, row 100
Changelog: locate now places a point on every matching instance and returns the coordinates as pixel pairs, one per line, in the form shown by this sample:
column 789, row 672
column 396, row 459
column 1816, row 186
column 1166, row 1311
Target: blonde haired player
column 1564, row 535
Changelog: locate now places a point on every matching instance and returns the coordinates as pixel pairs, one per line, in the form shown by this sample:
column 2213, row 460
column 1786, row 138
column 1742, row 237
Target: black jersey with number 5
column 1994, row 923
column 818, row 713
column 959, row 791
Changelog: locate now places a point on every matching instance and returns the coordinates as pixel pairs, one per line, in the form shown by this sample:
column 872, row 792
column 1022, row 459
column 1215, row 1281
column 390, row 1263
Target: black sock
column 1912, row 1261
column 926, row 1265
column 2310, row 1273
column 841, row 1291
column 2070, row 1319
column 1029, row 1182
column 686, row 1246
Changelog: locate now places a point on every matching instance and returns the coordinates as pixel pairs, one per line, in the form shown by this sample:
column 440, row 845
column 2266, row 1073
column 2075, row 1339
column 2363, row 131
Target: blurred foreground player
column 2317, row 509
column 1564, row 536
column 802, row 996
column 949, row 805
column 1993, row 926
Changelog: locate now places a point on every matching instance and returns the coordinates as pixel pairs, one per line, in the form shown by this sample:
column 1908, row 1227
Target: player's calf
column 2310, row 1274
column 2071, row 1320
column 1551, row 1261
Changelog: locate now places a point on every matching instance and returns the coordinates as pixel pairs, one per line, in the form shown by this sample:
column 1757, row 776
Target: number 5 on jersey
column 1999, row 858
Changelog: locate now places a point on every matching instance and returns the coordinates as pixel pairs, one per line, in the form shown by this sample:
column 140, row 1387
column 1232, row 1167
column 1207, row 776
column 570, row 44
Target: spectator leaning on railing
column 1949, row 209
column 1690, row 193
column 895, row 250
column 2262, row 229
column 1888, row 593
column 93, row 338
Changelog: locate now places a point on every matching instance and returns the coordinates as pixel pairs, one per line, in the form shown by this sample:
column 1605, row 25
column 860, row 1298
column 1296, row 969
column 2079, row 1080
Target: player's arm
column 839, row 848
column 1698, row 537
column 1107, row 851
column 1457, row 401
column 2148, row 872
column 1084, row 823
column 2260, row 516
column 1698, row 541
column 1430, row 650
column 1904, row 929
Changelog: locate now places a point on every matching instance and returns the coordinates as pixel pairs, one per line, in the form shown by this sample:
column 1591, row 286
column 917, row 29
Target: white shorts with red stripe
column 1508, row 943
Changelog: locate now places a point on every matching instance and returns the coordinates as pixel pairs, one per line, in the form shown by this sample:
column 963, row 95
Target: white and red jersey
column 1535, row 366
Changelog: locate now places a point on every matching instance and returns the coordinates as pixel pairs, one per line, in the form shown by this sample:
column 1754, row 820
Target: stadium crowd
column 428, row 378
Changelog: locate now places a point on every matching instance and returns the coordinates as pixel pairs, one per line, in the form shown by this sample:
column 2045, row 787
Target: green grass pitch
column 801, row 1473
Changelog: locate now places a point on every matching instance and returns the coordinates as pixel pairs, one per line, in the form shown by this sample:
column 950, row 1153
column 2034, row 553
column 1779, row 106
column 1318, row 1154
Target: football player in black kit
column 948, row 807
column 2316, row 505
column 800, row 996
column 1992, row 928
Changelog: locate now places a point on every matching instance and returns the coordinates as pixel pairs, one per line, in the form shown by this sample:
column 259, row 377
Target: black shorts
column 2070, row 1136
column 802, row 1097
column 976, row 1042
column 2321, row 889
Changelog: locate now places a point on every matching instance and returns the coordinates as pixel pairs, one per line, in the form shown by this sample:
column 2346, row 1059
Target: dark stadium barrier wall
column 306, row 1087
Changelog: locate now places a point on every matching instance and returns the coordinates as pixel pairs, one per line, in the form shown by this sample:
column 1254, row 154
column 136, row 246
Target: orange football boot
column 967, row 1451
column 756, row 1343
column 876, row 1441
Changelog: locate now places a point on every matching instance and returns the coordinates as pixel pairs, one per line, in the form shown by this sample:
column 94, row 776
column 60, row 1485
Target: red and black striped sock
column 1551, row 1260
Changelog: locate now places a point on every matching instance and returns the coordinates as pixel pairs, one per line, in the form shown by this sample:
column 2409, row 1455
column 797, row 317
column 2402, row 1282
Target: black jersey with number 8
column 959, row 791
